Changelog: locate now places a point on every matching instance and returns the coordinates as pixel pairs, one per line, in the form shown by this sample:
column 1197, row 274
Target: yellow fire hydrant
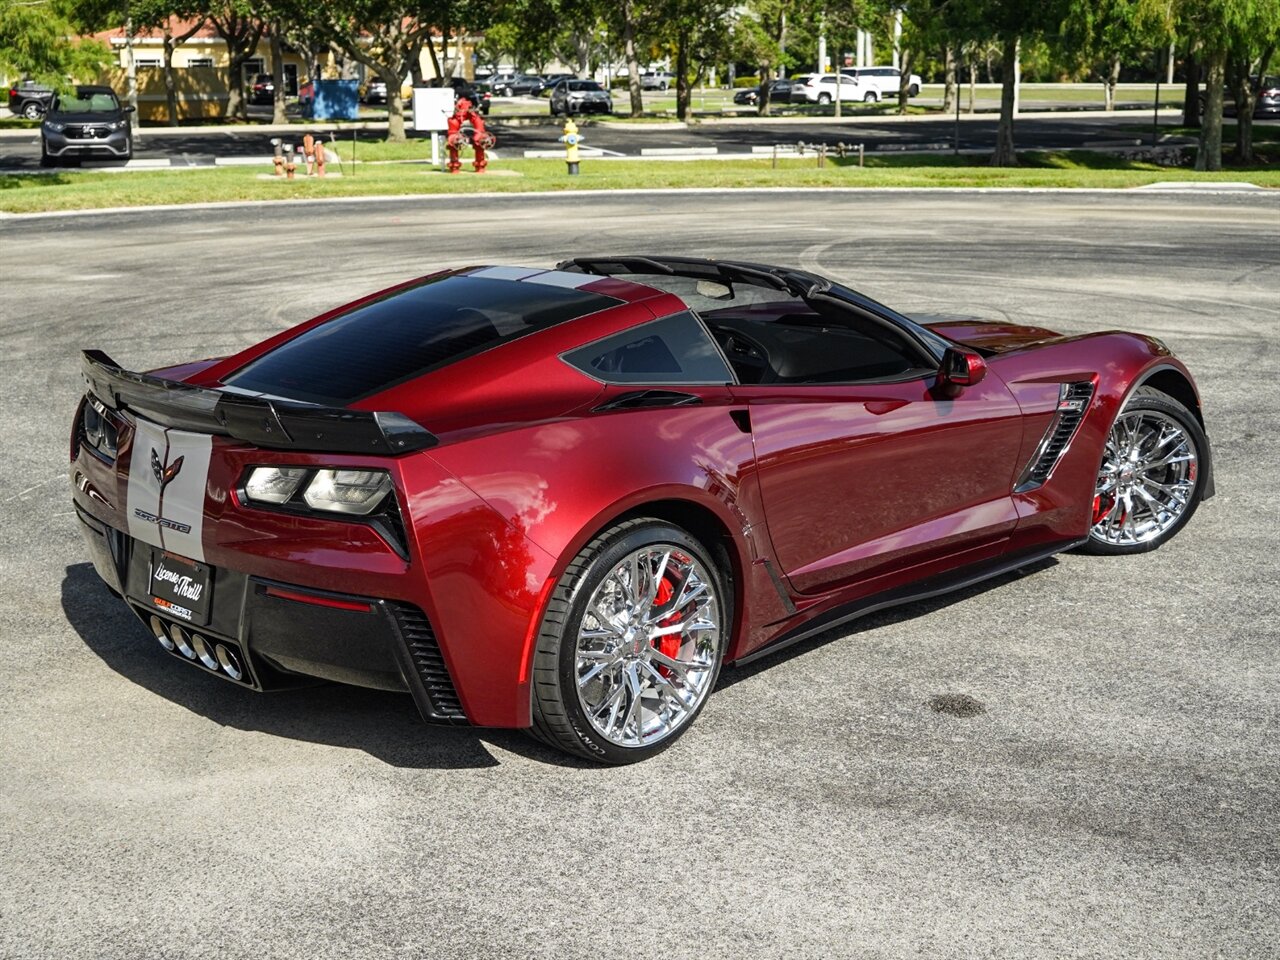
column 571, row 139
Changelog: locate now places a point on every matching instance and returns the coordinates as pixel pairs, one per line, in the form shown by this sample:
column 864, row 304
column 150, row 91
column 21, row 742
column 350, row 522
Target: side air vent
column 1073, row 401
column 441, row 699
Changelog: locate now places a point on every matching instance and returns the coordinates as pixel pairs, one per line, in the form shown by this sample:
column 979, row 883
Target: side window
column 675, row 349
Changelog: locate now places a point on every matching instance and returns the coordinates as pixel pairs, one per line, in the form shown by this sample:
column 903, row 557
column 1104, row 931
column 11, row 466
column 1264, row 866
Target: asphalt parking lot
column 1115, row 797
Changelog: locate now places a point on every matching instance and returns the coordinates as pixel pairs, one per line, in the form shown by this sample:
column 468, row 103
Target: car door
column 867, row 477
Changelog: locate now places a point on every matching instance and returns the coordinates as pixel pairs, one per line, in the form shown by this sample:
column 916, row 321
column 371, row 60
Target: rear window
column 409, row 333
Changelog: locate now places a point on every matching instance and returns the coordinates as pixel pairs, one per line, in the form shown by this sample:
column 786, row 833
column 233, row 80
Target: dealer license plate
column 180, row 586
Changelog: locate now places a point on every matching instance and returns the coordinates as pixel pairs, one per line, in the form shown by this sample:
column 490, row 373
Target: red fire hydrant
column 466, row 127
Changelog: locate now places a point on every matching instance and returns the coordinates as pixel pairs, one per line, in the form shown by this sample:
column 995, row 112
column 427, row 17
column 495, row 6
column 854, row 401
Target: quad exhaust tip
column 158, row 628
column 179, row 637
column 218, row 657
column 204, row 650
column 229, row 662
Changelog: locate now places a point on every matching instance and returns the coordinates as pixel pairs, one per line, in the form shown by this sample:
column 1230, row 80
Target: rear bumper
column 284, row 633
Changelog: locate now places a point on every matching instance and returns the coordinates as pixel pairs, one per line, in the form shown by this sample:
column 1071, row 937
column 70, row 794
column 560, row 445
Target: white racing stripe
column 142, row 501
column 168, row 471
column 182, row 501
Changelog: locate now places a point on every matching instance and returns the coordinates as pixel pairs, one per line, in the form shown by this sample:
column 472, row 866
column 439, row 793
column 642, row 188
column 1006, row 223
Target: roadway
column 1117, row 798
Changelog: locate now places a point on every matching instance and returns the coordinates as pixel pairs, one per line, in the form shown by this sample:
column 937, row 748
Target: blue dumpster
column 332, row 100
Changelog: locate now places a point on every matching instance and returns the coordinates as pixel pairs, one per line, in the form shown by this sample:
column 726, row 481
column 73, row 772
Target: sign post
column 431, row 109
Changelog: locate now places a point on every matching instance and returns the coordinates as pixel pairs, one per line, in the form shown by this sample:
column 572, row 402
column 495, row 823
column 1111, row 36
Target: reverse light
column 274, row 484
column 347, row 491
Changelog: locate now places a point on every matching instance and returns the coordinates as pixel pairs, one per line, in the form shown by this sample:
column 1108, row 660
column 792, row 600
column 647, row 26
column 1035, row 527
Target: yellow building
column 201, row 67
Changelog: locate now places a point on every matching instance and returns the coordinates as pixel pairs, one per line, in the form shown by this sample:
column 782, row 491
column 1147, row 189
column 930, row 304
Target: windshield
column 98, row 102
column 584, row 85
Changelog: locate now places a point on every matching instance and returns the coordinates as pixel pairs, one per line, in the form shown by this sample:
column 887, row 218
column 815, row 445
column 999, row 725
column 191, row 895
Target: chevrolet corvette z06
column 564, row 500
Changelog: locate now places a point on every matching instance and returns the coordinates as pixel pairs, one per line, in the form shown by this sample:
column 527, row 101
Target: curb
column 1226, row 188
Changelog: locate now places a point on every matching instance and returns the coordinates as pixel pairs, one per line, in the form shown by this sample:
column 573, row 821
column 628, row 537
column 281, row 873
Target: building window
column 147, row 62
column 206, row 62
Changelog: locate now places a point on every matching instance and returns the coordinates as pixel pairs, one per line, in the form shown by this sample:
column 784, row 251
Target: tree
column 1224, row 28
column 241, row 30
column 1250, row 56
column 178, row 21
column 1008, row 22
column 1116, row 30
column 388, row 38
column 701, row 34
column 34, row 41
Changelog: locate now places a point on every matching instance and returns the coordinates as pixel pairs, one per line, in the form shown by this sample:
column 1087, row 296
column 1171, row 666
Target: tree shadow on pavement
column 384, row 725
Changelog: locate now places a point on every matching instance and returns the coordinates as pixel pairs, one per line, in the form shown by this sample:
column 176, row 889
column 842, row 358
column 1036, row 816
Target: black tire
column 45, row 159
column 913, row 90
column 871, row 97
column 553, row 110
column 32, row 110
column 1149, row 398
column 559, row 719
column 824, row 99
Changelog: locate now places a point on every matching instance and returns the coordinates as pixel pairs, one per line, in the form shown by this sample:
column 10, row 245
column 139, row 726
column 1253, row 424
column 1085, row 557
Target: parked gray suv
column 89, row 122
column 580, row 96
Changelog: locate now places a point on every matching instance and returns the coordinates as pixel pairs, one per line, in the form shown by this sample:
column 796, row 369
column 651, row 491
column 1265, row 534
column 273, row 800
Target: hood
column 87, row 119
column 986, row 335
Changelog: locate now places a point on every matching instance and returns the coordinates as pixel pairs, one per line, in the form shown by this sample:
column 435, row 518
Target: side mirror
column 129, row 109
column 960, row 369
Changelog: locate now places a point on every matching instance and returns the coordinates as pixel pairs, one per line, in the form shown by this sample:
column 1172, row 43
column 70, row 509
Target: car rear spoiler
column 275, row 424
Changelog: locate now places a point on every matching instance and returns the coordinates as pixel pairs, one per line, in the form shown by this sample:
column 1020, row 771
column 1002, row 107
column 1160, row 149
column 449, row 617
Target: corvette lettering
column 146, row 517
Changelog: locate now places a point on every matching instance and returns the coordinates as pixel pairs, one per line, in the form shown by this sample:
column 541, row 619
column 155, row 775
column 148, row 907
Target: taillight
column 98, row 429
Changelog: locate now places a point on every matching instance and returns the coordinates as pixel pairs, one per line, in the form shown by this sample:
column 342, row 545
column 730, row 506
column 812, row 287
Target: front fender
column 1118, row 363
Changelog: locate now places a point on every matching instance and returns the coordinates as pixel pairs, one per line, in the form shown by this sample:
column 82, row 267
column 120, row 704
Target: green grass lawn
column 71, row 190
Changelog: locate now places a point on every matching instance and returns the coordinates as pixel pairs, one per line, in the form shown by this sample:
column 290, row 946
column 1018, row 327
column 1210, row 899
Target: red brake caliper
column 670, row 644
column 1101, row 507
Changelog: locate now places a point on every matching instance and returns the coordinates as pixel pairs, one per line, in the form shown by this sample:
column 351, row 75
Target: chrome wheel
column 1147, row 480
column 648, row 645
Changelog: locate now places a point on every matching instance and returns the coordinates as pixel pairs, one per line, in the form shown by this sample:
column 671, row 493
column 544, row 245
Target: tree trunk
column 170, row 85
column 235, row 88
column 905, row 58
column 1005, row 155
column 1246, row 101
column 1113, row 77
column 395, row 104
column 435, row 60
column 684, row 95
column 951, row 89
column 1209, row 154
column 131, row 72
column 633, row 59
column 278, row 114
column 1191, row 96
column 973, row 87
column 582, row 43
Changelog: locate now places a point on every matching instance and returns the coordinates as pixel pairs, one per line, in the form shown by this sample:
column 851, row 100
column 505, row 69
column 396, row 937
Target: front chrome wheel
column 648, row 645
column 1147, row 481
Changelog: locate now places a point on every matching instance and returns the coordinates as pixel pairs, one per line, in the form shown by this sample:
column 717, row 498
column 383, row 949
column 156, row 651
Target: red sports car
column 563, row 499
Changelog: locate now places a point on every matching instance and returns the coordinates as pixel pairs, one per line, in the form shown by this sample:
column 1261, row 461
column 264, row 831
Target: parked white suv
column 878, row 83
column 822, row 87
